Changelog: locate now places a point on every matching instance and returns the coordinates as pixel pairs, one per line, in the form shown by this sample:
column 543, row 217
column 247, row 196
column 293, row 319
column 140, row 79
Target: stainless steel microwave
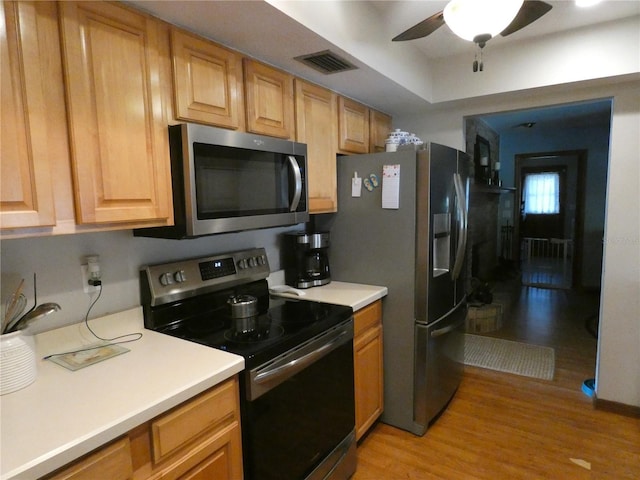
column 227, row 181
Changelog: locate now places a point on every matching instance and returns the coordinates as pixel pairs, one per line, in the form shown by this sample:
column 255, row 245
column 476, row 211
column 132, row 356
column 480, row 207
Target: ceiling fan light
column 472, row 18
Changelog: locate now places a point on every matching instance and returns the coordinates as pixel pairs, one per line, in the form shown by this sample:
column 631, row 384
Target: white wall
column 56, row 261
column 600, row 51
column 618, row 367
column 618, row 374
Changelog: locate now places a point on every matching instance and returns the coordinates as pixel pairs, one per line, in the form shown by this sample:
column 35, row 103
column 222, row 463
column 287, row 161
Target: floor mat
column 508, row 356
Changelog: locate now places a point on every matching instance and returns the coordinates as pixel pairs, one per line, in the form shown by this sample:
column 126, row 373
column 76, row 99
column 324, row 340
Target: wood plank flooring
column 503, row 426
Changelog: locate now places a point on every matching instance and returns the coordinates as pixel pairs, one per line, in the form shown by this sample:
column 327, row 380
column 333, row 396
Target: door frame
column 578, row 233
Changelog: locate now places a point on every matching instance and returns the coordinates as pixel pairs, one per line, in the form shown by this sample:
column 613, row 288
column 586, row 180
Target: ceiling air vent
column 326, row 62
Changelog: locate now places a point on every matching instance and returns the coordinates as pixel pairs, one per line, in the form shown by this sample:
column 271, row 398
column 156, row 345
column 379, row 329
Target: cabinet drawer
column 173, row 430
column 367, row 317
column 218, row 456
column 112, row 462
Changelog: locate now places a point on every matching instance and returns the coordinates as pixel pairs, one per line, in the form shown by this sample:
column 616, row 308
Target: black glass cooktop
column 281, row 324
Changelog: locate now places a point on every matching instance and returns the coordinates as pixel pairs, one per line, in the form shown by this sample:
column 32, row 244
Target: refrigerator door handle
column 443, row 331
column 462, row 225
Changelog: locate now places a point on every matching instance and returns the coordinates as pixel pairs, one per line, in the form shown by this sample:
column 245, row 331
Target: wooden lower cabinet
column 368, row 373
column 197, row 440
column 112, row 462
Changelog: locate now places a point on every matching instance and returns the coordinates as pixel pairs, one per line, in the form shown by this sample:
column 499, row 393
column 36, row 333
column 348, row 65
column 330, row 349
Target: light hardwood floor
column 501, row 426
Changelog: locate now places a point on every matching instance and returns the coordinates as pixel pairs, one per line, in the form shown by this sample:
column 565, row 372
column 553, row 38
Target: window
column 542, row 193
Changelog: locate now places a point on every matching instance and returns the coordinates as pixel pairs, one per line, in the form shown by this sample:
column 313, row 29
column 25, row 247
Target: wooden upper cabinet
column 379, row 128
column 26, row 189
column 269, row 98
column 316, row 125
column 207, row 82
column 353, row 124
column 117, row 122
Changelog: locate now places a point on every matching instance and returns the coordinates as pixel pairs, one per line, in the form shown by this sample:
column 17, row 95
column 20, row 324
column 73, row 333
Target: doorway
column 548, row 226
column 574, row 138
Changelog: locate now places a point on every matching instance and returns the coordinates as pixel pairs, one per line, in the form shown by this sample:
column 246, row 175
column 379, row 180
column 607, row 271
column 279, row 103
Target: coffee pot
column 307, row 259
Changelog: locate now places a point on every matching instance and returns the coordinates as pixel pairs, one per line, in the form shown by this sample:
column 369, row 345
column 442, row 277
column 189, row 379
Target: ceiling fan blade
column 531, row 11
column 422, row 29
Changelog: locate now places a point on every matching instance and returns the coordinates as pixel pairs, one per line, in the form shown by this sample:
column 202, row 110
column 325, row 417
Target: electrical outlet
column 85, row 280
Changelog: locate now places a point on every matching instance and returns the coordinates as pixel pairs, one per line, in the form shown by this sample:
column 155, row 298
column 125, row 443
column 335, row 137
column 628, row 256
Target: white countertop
column 65, row 414
column 354, row 295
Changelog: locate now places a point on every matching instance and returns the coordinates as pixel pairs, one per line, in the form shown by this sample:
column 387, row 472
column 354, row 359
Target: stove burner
column 204, row 325
column 254, row 336
column 253, row 329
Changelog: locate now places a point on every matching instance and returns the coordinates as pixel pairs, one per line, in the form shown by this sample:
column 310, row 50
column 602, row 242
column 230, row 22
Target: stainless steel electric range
column 297, row 393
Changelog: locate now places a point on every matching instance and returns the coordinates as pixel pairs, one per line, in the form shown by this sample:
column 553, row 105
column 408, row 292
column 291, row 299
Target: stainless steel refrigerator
column 415, row 247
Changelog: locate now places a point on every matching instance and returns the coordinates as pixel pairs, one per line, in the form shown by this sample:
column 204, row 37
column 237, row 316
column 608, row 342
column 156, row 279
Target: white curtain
column 542, row 193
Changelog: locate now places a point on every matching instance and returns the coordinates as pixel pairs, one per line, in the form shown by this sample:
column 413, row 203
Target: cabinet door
column 269, row 97
column 200, row 440
column 26, row 189
column 368, row 368
column 112, row 462
column 217, row 456
column 379, row 128
column 118, row 130
column 353, row 120
column 316, row 125
column 207, row 81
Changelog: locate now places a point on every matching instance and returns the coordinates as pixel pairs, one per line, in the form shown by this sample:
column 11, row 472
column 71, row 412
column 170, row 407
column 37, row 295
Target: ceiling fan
column 480, row 20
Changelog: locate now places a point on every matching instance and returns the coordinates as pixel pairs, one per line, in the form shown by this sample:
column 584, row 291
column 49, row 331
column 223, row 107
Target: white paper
column 356, row 185
column 391, row 186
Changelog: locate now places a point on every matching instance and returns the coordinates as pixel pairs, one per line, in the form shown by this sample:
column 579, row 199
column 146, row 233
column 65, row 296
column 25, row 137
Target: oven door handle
column 297, row 364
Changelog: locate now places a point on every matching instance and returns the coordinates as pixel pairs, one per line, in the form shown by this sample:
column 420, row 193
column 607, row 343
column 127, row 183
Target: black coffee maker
column 307, row 259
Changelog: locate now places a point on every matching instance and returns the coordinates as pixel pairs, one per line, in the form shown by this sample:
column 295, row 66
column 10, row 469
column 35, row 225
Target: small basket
column 485, row 318
column 17, row 362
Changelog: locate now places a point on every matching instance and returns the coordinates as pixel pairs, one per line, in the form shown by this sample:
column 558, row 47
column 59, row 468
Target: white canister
column 17, row 362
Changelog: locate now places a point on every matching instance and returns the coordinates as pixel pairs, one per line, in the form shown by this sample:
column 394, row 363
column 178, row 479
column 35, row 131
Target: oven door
column 298, row 410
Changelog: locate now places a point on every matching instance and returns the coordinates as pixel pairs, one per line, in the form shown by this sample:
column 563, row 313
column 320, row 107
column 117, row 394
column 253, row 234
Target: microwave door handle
column 462, row 226
column 297, row 176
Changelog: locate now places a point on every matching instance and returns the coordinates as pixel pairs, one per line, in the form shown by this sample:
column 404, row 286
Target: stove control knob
column 261, row 260
column 166, row 279
column 252, row 262
column 242, row 263
column 180, row 276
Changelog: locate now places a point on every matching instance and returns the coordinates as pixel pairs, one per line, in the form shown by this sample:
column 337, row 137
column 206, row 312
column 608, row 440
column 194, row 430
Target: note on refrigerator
column 356, row 185
column 391, row 186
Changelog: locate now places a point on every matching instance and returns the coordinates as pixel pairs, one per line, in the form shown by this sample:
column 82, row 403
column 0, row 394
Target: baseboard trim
column 616, row 407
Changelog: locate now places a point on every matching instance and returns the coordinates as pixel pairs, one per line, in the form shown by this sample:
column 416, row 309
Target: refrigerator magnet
column 374, row 180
